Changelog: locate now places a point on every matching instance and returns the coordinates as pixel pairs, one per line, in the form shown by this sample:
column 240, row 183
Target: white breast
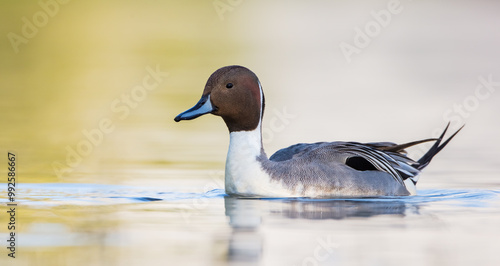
column 244, row 174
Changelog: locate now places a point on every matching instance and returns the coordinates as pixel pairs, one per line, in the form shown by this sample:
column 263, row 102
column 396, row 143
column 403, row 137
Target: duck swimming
column 315, row 170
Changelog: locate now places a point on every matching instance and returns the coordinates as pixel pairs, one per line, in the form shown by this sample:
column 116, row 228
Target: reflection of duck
column 246, row 215
column 326, row 169
column 340, row 209
column 245, row 243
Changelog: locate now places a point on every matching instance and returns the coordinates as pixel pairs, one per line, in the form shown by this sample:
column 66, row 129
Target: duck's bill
column 204, row 106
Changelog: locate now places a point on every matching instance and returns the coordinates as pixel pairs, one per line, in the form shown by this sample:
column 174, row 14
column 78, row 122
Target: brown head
column 235, row 94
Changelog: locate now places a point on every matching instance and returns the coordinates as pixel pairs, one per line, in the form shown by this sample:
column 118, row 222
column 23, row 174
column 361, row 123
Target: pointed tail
column 437, row 147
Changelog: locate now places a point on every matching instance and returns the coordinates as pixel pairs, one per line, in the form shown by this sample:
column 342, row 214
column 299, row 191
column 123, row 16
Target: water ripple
column 97, row 194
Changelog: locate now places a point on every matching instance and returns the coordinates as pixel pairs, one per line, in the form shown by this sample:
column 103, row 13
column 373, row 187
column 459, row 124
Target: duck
column 306, row 170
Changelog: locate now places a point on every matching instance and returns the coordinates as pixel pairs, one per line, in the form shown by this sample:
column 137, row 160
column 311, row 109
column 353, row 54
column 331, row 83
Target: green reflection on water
column 86, row 56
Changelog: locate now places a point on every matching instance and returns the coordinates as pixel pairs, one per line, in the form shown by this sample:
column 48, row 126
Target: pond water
column 93, row 224
column 106, row 177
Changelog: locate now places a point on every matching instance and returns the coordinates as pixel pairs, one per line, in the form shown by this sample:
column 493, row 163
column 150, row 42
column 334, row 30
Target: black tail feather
column 426, row 159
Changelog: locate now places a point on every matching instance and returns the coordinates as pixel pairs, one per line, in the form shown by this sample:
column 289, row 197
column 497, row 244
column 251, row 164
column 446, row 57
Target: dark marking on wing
column 360, row 164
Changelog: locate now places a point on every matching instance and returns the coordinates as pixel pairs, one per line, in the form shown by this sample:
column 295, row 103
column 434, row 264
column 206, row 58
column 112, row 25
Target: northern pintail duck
column 323, row 169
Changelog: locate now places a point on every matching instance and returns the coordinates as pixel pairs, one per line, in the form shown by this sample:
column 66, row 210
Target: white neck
column 241, row 162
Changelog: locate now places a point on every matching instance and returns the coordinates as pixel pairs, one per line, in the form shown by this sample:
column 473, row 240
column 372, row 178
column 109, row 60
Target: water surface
column 127, row 225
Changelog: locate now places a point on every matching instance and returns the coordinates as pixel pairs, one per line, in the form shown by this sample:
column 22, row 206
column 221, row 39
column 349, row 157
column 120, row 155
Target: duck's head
column 235, row 94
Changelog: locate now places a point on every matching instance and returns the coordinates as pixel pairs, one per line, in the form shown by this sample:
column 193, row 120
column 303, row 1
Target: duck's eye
column 229, row 85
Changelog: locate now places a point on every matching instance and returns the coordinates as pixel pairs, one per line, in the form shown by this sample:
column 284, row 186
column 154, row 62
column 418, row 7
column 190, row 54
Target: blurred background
column 67, row 66
column 75, row 109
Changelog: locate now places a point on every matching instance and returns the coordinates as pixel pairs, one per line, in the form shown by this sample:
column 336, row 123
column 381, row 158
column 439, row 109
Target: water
column 57, row 194
column 129, row 225
column 150, row 191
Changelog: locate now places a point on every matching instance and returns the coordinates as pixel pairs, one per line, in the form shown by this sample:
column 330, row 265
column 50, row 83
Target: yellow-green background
column 89, row 53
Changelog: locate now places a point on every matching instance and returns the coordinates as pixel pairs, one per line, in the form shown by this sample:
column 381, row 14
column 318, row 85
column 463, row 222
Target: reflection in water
column 246, row 215
column 340, row 209
column 66, row 222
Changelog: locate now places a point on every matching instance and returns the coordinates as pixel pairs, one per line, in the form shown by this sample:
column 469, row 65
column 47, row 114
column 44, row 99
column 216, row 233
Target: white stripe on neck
column 241, row 162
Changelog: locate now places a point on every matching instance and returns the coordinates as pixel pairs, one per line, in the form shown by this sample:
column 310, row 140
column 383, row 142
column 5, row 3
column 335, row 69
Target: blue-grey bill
column 204, row 106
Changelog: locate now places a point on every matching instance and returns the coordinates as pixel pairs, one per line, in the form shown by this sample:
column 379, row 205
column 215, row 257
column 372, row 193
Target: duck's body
column 303, row 170
column 325, row 169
